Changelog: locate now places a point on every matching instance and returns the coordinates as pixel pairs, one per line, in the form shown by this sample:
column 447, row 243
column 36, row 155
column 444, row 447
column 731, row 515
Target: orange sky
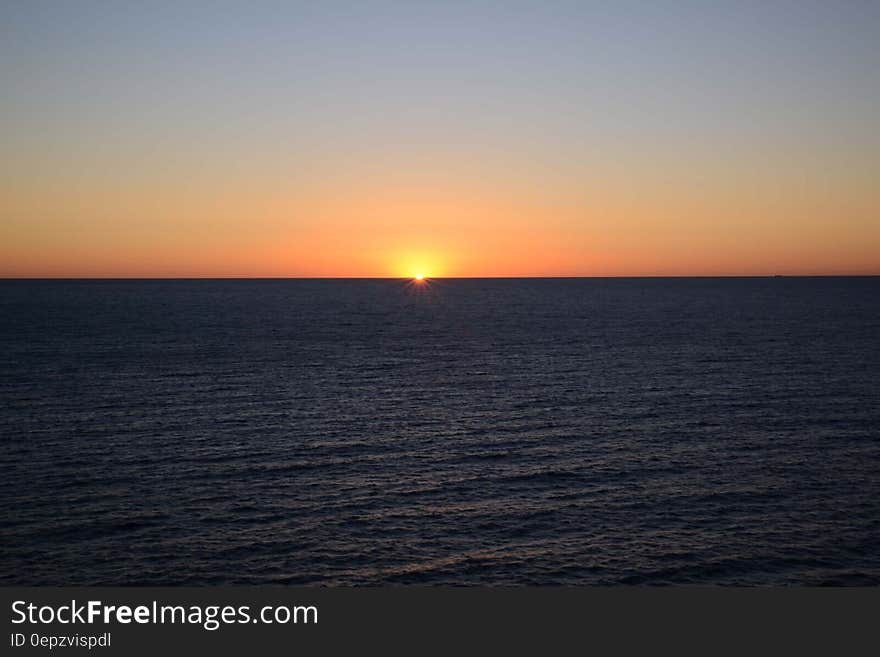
column 400, row 225
column 506, row 142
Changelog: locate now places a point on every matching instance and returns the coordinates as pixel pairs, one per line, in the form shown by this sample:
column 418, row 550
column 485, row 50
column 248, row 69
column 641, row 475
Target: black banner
column 146, row 621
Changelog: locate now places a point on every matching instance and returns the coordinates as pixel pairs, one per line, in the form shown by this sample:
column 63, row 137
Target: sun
column 417, row 265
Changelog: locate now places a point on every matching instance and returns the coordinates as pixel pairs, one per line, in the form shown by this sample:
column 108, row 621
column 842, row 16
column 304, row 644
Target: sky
column 446, row 138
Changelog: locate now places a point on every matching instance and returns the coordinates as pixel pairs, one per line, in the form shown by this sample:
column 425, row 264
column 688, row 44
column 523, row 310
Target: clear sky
column 491, row 138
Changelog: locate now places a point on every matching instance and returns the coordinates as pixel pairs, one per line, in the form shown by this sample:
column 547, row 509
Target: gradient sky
column 454, row 138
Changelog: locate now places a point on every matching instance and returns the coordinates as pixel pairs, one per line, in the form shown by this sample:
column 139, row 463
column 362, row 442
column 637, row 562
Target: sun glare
column 417, row 266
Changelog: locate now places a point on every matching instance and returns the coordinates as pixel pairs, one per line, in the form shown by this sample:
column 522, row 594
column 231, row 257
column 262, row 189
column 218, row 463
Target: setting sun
column 420, row 277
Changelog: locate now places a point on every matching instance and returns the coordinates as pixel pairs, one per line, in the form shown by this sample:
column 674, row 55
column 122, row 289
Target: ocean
column 720, row 431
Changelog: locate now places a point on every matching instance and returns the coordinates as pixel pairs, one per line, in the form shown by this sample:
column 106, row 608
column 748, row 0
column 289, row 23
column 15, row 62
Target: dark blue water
column 622, row 431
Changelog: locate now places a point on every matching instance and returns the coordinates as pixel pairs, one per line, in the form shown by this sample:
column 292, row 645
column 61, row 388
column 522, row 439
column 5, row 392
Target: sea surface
column 466, row 431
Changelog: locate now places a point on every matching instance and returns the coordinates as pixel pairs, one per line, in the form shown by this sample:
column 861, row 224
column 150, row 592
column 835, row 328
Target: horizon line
column 429, row 278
